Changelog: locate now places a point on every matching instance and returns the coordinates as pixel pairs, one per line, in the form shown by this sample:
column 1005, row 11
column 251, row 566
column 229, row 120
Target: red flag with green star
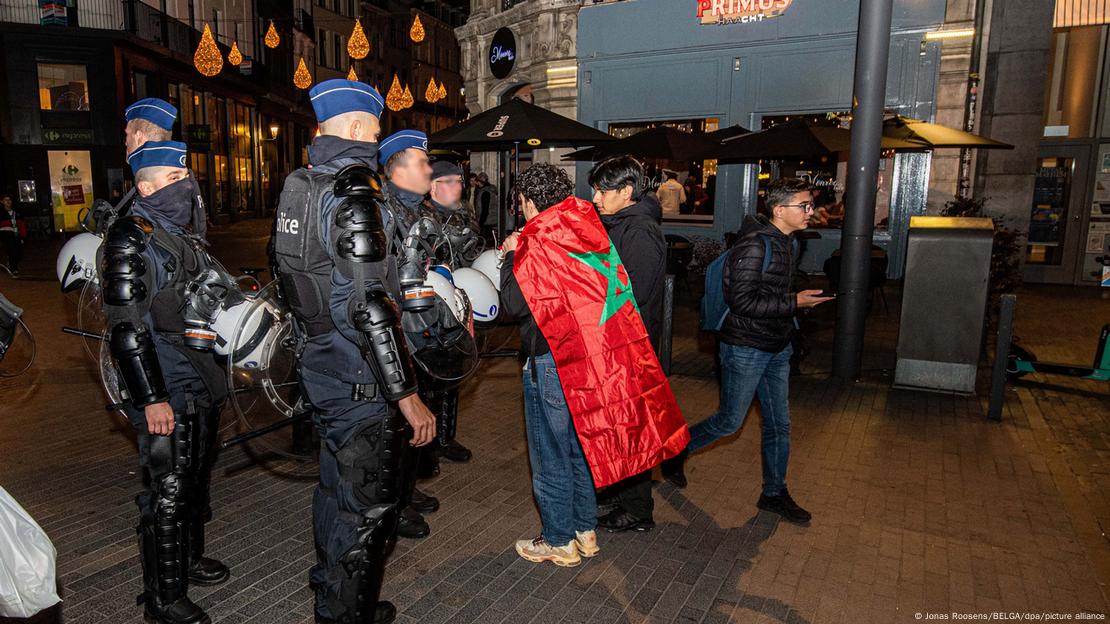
column 578, row 291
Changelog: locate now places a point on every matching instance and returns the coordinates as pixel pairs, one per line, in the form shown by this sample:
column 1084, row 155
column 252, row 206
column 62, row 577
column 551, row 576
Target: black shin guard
column 163, row 520
column 372, row 462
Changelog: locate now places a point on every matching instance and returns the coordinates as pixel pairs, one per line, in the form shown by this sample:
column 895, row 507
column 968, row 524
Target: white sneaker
column 538, row 551
column 587, row 543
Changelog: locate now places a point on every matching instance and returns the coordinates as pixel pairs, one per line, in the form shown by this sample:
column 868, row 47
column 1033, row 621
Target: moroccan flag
column 578, row 291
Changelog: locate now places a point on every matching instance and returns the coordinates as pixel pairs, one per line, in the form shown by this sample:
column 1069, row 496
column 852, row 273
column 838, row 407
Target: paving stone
column 919, row 503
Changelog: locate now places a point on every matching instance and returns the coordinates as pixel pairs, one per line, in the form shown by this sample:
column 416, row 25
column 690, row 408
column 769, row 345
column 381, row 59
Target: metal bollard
column 1001, row 356
column 668, row 325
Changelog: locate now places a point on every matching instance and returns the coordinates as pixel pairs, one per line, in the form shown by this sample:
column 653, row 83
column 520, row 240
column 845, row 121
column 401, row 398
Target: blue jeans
column 561, row 480
column 745, row 372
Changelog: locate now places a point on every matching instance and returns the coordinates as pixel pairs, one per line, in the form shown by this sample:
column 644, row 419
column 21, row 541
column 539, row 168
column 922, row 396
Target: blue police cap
column 158, row 154
column 400, row 141
column 338, row 96
column 158, row 112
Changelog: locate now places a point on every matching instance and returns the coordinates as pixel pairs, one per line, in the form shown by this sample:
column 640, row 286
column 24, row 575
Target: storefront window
column 242, row 159
column 698, row 178
column 1075, row 62
column 827, row 174
column 63, row 87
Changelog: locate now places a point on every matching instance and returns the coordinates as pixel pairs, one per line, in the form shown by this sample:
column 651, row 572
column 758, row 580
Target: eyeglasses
column 805, row 206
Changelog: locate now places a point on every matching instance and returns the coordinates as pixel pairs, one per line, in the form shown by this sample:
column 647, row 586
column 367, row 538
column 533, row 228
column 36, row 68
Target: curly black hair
column 544, row 184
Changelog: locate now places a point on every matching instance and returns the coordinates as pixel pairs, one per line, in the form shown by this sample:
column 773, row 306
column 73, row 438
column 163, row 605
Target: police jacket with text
column 336, row 352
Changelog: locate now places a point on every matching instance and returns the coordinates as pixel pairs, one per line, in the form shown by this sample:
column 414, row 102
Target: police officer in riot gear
column 462, row 245
column 404, row 158
column 339, row 271
column 173, row 393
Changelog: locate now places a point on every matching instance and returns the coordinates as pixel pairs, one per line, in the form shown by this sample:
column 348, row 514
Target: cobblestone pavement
column 920, row 505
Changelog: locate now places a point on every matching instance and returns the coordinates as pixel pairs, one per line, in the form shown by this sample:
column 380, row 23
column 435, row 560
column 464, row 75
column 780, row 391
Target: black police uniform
column 340, row 276
column 145, row 262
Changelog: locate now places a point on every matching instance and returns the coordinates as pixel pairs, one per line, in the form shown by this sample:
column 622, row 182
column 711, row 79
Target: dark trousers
column 634, row 495
column 358, row 497
column 13, row 247
column 175, row 502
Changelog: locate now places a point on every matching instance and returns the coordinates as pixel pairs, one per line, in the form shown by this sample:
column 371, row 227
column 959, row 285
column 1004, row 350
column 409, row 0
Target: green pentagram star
column 609, row 265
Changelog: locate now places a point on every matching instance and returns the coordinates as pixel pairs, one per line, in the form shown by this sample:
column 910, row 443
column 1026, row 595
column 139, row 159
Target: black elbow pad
column 382, row 341
column 133, row 350
column 122, row 267
column 358, row 235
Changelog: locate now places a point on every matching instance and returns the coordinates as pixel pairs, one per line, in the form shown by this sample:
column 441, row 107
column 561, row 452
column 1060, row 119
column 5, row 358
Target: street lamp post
column 872, row 54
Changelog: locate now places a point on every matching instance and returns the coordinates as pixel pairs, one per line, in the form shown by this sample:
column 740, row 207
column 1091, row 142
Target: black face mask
column 179, row 203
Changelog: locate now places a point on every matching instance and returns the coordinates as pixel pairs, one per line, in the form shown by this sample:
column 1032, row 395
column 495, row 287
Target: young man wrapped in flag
column 596, row 397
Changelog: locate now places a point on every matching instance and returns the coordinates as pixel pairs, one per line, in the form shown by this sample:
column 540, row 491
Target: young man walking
column 755, row 338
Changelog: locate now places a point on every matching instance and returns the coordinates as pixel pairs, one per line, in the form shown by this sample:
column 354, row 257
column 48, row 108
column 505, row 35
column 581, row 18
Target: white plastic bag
column 26, row 563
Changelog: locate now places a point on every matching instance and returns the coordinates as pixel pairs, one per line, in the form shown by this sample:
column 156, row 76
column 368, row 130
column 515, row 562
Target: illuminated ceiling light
column 395, row 99
column 950, row 34
column 407, row 98
column 351, row 75
column 207, row 58
column 431, row 94
column 235, row 56
column 358, row 46
column 442, row 93
column 274, row 127
column 562, row 70
column 301, row 78
column 272, row 39
column 416, row 33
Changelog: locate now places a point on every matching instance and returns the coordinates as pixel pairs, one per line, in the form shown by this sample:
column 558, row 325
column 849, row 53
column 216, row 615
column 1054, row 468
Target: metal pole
column 1001, row 356
column 971, row 99
column 872, row 54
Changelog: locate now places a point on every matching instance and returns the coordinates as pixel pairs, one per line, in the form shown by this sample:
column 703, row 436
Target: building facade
column 1026, row 72
column 541, row 37
column 68, row 72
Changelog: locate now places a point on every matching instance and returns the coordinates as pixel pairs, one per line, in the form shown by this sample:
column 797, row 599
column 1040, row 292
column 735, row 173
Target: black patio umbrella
column 516, row 123
column 662, row 142
column 729, row 133
column 798, row 139
column 935, row 135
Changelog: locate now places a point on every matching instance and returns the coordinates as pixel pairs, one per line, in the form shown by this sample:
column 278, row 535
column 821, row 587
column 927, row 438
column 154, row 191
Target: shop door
column 1059, row 197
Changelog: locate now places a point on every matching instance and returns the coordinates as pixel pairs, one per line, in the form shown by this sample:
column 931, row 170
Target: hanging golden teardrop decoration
column 442, row 92
column 351, row 75
column 416, row 33
column 208, row 59
column 431, row 94
column 301, row 78
column 407, row 97
column 358, row 46
column 395, row 99
column 272, row 39
column 235, row 56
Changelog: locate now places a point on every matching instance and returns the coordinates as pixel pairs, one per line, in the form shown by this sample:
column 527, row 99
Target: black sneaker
column 784, row 506
column 674, row 470
column 411, row 525
column 455, row 452
column 620, row 520
column 423, row 503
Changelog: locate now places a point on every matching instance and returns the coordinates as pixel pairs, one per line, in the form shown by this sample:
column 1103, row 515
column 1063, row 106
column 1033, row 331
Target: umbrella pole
column 516, row 171
column 872, row 58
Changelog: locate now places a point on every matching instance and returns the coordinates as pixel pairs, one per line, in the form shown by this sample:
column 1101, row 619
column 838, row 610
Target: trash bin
column 944, row 301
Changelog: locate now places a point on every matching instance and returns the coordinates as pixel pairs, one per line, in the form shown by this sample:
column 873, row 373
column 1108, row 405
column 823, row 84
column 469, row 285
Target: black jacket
column 761, row 305
column 513, row 304
column 636, row 234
